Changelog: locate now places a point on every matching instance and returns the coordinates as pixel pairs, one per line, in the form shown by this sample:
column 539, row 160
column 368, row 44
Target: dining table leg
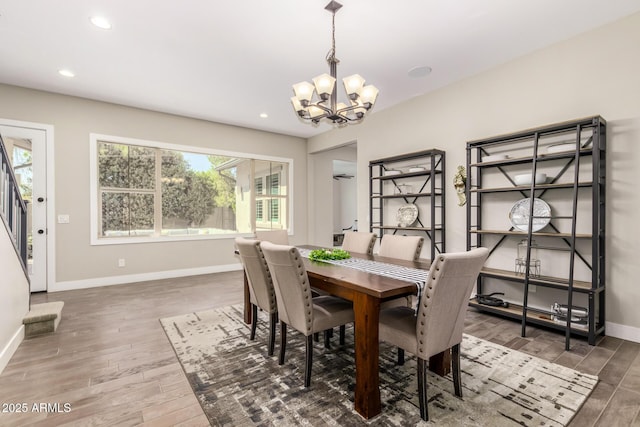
column 367, row 391
column 440, row 363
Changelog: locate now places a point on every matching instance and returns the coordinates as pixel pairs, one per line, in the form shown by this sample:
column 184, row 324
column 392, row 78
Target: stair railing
column 13, row 209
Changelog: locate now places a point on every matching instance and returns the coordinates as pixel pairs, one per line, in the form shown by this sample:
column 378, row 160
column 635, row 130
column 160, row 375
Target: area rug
column 238, row 384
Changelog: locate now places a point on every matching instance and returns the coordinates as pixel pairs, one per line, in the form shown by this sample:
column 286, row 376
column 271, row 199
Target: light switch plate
column 63, row 219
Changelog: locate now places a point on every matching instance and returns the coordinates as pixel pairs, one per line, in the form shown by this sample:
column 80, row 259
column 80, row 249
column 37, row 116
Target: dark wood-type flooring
column 111, row 361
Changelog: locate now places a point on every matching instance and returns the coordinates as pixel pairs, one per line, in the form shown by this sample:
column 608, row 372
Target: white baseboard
column 624, row 332
column 11, row 347
column 144, row 277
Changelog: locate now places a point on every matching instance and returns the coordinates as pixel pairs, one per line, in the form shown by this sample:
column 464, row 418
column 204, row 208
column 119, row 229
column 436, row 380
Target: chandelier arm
column 350, row 108
column 322, row 107
column 351, row 119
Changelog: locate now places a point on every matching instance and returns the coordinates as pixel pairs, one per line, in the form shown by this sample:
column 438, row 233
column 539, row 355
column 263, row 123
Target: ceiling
column 230, row 61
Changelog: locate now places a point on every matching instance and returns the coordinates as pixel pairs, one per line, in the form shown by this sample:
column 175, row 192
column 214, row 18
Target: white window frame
column 94, row 197
column 265, row 198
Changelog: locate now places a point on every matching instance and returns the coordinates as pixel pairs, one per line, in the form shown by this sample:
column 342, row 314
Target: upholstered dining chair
column 296, row 307
column 261, row 291
column 440, row 318
column 359, row 241
column 279, row 237
column 407, row 248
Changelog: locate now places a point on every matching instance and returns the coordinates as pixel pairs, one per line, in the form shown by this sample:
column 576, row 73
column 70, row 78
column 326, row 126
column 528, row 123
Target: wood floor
column 112, row 363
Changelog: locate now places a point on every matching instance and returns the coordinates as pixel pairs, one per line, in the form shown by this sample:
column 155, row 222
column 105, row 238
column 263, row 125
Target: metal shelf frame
column 588, row 136
column 429, row 197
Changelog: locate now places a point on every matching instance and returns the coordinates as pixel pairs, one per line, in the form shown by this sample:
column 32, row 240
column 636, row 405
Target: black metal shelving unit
column 572, row 233
column 388, row 193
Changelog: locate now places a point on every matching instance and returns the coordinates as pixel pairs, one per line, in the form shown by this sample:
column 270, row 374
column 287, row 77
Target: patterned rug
column 237, row 384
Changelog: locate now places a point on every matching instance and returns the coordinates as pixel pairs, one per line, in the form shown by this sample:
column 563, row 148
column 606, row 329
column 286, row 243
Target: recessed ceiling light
column 264, row 115
column 421, row 71
column 100, row 22
column 66, row 73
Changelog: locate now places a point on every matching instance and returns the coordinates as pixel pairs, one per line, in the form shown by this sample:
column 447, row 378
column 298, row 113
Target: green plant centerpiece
column 328, row 254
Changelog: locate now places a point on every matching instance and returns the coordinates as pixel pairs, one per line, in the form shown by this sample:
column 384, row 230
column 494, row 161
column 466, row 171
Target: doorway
column 325, row 221
column 27, row 149
column 345, row 208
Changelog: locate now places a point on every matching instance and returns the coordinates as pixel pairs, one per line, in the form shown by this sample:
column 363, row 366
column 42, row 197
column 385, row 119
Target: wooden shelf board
column 410, row 195
column 534, row 317
column 433, row 152
column 391, row 227
column 546, row 281
column 406, row 175
column 526, row 159
column 528, row 187
column 524, row 234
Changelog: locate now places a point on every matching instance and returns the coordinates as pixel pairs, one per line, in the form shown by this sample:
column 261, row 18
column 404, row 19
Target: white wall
column 14, row 299
column 78, row 264
column 594, row 73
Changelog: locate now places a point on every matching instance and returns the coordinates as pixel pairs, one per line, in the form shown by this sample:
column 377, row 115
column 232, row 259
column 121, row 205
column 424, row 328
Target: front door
column 27, row 150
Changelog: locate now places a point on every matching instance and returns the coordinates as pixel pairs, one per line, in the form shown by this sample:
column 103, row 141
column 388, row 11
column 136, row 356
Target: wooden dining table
column 367, row 291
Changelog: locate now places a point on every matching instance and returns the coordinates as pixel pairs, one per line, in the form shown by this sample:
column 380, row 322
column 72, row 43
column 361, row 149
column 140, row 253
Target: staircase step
column 43, row 318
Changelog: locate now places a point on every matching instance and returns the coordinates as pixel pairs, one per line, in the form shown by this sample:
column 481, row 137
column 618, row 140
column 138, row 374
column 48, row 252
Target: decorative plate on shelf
column 519, row 215
column 407, row 215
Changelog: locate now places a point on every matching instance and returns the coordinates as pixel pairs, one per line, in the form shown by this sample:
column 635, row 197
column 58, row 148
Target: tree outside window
column 154, row 192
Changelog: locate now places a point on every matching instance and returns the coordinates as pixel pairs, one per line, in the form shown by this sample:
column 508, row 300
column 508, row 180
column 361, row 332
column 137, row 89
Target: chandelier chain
column 331, row 56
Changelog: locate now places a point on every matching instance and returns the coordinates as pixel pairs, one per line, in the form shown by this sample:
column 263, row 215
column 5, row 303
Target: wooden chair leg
column 254, row 321
column 327, row 338
column 422, row 388
column 455, row 368
column 400, row 356
column 273, row 320
column 283, row 342
column 309, row 360
column 316, row 337
column 343, row 329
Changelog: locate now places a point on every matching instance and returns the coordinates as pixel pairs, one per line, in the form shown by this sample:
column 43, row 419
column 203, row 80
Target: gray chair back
column 444, row 302
column 255, row 266
column 359, row 242
column 407, row 248
column 293, row 291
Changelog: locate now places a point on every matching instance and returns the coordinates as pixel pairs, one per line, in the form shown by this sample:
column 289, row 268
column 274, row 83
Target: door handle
column 40, row 231
column 40, row 199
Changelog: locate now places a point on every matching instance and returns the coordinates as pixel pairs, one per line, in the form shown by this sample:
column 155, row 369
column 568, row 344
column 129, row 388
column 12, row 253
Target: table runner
column 407, row 274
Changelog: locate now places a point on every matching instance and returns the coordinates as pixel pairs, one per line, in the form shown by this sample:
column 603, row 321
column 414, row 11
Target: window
column 22, row 166
column 270, row 195
column 147, row 191
column 127, row 187
column 259, row 202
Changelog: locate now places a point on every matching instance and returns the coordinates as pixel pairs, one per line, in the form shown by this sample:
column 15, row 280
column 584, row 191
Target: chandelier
column 318, row 101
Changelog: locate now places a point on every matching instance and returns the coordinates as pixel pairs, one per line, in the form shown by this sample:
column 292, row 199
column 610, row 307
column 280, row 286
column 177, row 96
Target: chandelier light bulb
column 369, row 94
column 304, row 92
column 324, row 84
column 315, row 112
column 353, row 85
